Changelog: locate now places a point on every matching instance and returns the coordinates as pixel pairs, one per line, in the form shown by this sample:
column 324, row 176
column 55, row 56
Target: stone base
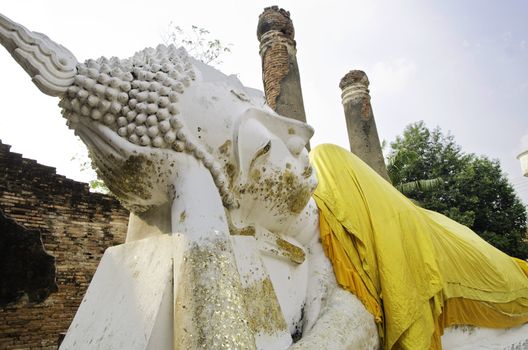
column 132, row 300
column 128, row 304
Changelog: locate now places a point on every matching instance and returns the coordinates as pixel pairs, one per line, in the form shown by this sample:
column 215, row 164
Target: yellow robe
column 415, row 270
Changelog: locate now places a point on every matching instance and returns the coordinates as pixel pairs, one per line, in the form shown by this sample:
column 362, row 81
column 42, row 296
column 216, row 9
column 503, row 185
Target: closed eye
column 261, row 152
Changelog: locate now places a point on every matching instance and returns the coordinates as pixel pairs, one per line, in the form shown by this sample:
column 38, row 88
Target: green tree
column 470, row 189
column 85, row 164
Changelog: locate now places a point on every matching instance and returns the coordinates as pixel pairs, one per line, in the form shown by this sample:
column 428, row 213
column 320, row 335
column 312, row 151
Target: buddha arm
column 211, row 302
column 343, row 323
column 333, row 318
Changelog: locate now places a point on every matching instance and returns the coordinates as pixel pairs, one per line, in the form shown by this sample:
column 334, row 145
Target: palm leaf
column 419, row 185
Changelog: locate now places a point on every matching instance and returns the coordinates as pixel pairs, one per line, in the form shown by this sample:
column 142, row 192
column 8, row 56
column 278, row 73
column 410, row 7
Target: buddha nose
column 295, row 145
column 298, row 135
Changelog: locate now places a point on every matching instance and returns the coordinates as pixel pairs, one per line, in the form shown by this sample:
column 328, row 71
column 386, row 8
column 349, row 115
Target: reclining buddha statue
column 238, row 239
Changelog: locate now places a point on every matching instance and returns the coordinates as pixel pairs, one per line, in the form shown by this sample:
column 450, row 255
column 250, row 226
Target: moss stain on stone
column 286, row 190
column 230, row 171
column 226, row 146
column 127, row 179
column 183, row 216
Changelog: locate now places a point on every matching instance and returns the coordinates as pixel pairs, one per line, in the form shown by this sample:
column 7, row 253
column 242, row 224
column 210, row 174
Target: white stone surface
column 523, row 158
column 50, row 65
column 469, row 338
column 128, row 304
column 253, row 274
column 290, row 282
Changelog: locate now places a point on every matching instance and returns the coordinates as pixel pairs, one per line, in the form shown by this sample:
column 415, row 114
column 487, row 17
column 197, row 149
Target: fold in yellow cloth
column 415, row 270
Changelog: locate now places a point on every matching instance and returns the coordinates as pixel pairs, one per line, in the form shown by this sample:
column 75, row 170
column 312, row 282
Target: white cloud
column 524, row 142
column 392, row 77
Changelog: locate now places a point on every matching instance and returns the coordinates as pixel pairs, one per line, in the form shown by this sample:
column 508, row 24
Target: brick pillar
column 362, row 132
column 280, row 73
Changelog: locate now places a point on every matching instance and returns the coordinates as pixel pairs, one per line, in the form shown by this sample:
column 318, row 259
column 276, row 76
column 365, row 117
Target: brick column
column 362, row 132
column 280, row 73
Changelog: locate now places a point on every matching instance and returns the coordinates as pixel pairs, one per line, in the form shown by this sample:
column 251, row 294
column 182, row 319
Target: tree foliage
column 96, row 184
column 470, row 189
column 198, row 43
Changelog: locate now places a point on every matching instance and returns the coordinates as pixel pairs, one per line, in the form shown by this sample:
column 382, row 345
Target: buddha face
column 262, row 153
column 275, row 179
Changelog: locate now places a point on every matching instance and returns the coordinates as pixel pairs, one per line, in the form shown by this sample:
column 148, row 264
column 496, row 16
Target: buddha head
column 143, row 117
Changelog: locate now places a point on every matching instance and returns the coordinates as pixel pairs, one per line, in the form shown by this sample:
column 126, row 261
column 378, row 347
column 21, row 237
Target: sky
column 461, row 65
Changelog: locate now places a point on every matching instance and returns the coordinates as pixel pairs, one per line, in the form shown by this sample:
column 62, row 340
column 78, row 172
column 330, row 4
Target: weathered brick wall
column 275, row 67
column 276, row 35
column 76, row 225
column 280, row 71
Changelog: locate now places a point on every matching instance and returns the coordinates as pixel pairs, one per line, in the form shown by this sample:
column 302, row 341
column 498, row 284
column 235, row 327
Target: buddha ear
column 51, row 66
